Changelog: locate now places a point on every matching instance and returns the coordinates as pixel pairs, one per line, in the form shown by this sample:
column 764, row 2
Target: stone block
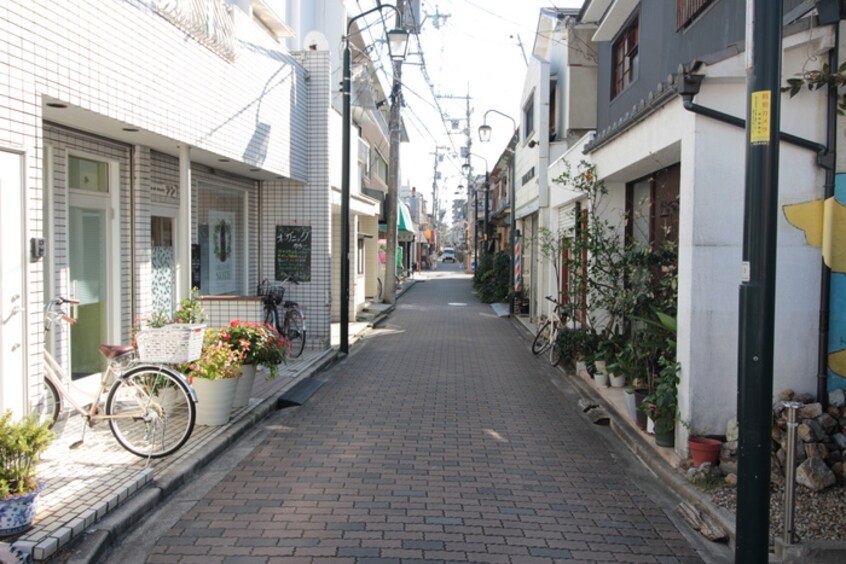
column 815, row 475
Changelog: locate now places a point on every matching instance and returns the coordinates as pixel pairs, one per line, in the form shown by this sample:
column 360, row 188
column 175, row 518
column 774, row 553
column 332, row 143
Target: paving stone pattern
column 440, row 438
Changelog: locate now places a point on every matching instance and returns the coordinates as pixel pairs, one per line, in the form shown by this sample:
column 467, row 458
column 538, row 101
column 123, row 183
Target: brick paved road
column 441, row 438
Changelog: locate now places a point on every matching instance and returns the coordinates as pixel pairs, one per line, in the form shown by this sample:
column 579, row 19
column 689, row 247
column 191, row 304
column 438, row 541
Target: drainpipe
column 689, row 85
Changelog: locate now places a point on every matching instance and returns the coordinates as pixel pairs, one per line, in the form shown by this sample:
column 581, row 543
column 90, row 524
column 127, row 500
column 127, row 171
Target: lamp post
column 397, row 45
column 466, row 168
column 484, row 137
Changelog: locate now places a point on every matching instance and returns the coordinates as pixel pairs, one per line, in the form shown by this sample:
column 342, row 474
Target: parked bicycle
column 149, row 406
column 291, row 322
column 546, row 338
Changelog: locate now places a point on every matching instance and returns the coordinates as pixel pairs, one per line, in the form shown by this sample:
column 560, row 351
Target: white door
column 92, row 243
column 12, row 316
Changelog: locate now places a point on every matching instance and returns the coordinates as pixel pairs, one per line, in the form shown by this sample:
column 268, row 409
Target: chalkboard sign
column 293, row 252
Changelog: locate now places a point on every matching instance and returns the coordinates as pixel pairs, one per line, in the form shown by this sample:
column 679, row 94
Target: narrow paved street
column 440, row 438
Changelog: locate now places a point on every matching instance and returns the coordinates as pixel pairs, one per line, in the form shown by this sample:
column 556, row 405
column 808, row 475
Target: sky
column 469, row 47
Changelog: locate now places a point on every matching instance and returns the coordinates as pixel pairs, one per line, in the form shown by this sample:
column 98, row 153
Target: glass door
column 88, row 264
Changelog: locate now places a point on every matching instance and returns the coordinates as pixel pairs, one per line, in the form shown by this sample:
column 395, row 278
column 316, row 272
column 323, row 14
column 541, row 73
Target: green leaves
column 21, row 443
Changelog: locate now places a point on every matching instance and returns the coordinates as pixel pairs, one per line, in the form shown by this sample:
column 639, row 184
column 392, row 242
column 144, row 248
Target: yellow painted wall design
column 824, row 224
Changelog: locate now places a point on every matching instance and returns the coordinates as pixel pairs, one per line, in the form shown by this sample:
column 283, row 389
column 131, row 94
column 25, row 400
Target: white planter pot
column 650, row 426
column 600, row 366
column 601, row 379
column 245, row 386
column 617, row 380
column 631, row 404
column 214, row 400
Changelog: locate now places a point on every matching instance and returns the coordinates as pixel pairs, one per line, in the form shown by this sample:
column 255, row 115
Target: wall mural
column 824, row 224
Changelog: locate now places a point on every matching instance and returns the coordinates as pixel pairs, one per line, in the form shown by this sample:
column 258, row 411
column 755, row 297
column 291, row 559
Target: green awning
column 404, row 222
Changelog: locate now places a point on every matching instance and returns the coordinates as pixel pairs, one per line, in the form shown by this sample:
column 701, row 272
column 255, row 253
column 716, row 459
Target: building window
column 529, row 118
column 221, row 235
column 553, row 109
column 380, row 167
column 688, row 10
column 625, row 53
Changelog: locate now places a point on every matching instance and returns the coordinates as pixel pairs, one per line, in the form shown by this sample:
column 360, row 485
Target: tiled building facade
column 134, row 140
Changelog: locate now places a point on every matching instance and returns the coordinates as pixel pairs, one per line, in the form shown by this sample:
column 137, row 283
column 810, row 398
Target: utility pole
column 435, row 177
column 389, row 284
column 757, row 290
column 466, row 154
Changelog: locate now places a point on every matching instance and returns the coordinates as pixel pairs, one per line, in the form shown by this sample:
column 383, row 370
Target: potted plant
column 21, row 444
column 258, row 344
column 214, row 377
column 703, row 448
column 662, row 404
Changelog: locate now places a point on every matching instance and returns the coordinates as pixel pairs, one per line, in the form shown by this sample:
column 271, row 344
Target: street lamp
column 466, row 168
column 484, row 137
column 397, row 46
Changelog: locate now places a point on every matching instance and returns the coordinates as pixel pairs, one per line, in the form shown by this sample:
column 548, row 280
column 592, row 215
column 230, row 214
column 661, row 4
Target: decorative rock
column 786, row 395
column 837, row 398
column 810, row 411
column 728, row 467
column 815, row 475
column 804, row 398
column 732, row 431
column 819, row 432
column 827, row 422
column 816, row 450
column 805, row 433
column 731, row 479
column 839, row 440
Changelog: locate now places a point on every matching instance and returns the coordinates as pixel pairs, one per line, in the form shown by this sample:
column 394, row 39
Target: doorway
column 92, row 245
column 12, row 316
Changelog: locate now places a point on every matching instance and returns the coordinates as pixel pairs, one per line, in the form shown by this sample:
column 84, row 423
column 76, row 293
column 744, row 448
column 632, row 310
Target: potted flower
column 214, row 377
column 662, row 403
column 258, row 344
column 21, row 444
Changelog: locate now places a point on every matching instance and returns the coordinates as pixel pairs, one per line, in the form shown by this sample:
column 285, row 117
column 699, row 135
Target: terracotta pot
column 703, row 450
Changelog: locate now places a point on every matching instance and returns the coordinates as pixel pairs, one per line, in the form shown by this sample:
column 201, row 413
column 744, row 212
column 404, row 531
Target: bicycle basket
column 171, row 344
column 273, row 290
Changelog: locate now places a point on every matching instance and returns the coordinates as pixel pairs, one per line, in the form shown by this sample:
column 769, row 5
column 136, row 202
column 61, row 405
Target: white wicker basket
column 172, row 344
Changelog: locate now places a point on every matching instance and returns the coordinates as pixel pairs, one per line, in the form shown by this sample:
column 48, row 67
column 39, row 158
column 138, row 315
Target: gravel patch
column 817, row 515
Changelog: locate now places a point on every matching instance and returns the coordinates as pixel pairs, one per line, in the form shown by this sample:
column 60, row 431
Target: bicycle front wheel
column 295, row 332
column 541, row 342
column 150, row 411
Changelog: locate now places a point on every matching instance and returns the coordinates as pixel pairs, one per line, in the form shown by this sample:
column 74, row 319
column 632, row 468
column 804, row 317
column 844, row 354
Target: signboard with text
column 293, row 252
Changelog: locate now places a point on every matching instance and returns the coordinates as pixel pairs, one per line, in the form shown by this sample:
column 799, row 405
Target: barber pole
column 518, row 259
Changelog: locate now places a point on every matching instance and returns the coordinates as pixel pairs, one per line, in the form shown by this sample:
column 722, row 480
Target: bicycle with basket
column 149, row 405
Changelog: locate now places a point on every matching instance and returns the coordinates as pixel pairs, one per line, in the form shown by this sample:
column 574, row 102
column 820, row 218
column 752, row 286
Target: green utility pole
column 757, row 290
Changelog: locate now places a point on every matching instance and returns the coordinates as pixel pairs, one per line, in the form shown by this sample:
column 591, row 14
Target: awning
column 404, row 223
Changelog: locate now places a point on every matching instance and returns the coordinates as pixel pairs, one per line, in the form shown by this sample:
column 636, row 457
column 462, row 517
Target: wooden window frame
column 625, row 54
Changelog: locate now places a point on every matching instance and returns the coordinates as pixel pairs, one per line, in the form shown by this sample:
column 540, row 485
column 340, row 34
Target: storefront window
column 221, row 236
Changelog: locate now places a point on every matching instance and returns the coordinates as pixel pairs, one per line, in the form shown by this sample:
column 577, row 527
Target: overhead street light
column 485, row 136
column 397, row 46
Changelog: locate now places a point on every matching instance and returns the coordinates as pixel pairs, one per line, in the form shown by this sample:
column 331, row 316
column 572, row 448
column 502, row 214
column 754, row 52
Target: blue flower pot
column 17, row 513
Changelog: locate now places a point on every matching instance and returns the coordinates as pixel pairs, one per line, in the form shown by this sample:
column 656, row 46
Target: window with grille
column 626, row 62
column 687, row 10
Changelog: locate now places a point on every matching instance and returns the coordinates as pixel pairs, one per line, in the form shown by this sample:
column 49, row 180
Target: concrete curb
column 93, row 544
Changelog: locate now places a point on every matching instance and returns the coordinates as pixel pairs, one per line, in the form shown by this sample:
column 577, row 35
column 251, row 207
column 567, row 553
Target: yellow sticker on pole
column 760, row 117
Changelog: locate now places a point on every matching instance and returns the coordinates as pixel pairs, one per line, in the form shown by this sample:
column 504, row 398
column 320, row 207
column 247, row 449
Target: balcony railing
column 210, row 22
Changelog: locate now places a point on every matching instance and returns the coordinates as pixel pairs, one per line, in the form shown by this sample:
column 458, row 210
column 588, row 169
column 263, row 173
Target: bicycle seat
column 290, row 304
column 111, row 352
